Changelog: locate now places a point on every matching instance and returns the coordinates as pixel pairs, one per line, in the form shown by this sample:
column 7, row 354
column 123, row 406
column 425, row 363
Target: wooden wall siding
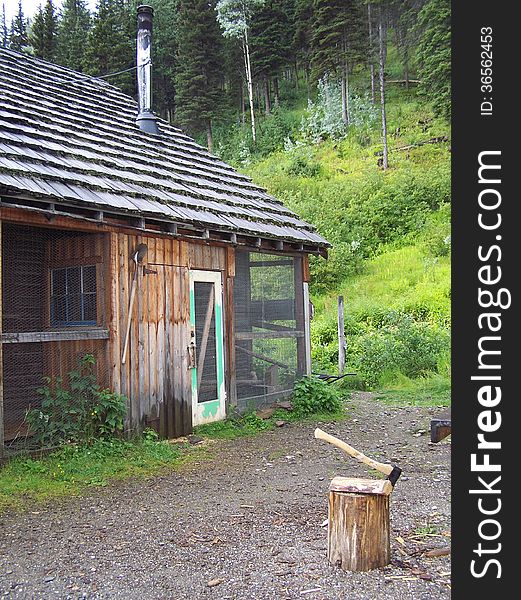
column 59, row 358
column 155, row 377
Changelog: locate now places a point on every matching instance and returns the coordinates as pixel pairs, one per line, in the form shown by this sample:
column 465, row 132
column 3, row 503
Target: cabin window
column 73, row 296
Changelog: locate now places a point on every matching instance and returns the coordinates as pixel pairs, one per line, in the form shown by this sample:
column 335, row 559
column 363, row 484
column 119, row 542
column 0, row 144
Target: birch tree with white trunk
column 234, row 17
column 382, row 55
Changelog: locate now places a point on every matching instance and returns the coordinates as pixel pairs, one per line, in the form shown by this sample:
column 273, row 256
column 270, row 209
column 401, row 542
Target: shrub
column 323, row 118
column 312, row 396
column 80, row 412
column 400, row 345
column 303, row 166
column 345, row 258
column 436, row 236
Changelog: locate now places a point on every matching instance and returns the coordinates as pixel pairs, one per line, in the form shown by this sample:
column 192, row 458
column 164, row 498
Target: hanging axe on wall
column 137, row 257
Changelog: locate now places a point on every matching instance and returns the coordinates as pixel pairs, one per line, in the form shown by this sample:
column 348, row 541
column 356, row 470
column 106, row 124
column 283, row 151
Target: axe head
column 394, row 474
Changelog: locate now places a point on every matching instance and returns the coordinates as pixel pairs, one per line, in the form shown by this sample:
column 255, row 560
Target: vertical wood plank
column 170, row 367
column 132, row 356
column 186, row 383
column 341, row 336
column 143, row 353
column 124, row 282
column 160, row 372
column 114, row 342
column 1, row 356
column 299, row 316
column 175, row 420
column 229, row 329
column 150, row 317
column 307, row 328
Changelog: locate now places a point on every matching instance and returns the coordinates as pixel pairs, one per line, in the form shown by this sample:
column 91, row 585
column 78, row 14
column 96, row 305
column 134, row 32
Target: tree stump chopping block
column 358, row 523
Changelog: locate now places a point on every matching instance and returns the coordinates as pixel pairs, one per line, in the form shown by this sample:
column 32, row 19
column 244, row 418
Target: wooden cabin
column 106, row 229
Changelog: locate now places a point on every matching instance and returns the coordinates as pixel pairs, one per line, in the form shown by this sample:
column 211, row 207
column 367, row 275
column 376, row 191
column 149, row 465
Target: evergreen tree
column 72, row 34
column 164, row 49
column 434, row 54
column 18, row 39
column 109, row 49
column 404, row 21
column 339, row 42
column 50, row 17
column 44, row 30
column 37, row 33
column 4, row 32
column 270, row 49
column 303, row 34
column 234, row 84
column 199, row 78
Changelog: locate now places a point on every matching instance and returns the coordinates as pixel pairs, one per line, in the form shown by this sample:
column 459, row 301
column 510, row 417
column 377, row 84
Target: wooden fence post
column 341, row 336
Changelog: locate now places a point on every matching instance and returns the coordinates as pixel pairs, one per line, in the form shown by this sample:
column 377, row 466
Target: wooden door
column 207, row 347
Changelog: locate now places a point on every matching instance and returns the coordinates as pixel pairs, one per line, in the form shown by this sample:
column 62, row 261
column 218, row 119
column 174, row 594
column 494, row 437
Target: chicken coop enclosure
column 269, row 327
column 52, row 316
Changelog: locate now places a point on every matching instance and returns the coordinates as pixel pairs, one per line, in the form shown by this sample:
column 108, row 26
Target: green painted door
column 207, row 347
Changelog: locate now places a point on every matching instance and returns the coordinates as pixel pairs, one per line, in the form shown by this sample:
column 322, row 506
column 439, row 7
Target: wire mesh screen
column 206, row 335
column 269, row 327
column 52, row 327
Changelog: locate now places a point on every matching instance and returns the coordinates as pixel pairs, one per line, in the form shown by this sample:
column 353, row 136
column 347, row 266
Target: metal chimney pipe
column 146, row 120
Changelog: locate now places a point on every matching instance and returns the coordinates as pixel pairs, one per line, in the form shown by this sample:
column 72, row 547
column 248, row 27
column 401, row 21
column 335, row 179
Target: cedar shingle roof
column 71, row 139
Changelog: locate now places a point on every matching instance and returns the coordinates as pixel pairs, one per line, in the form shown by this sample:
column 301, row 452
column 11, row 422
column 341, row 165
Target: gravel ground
column 245, row 523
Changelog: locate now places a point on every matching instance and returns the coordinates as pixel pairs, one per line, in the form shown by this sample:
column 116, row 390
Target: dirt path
column 250, row 516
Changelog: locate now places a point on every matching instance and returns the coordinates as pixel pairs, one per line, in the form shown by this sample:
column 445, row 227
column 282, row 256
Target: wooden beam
column 267, row 335
column 262, row 357
column 307, row 328
column 306, row 277
column 55, row 336
column 271, row 263
column 271, row 326
column 300, row 321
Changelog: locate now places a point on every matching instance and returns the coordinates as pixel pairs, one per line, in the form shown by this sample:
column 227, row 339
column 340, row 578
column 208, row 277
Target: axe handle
column 386, row 469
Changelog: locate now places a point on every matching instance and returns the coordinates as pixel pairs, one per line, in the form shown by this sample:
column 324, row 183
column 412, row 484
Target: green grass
column 400, row 279
column 250, row 424
column 74, row 469
column 425, row 391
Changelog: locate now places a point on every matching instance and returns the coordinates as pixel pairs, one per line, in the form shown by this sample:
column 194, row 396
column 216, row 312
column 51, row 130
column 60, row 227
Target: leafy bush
column 312, row 396
column 303, row 166
column 323, row 118
column 399, row 345
column 345, row 258
column 436, row 236
column 80, row 412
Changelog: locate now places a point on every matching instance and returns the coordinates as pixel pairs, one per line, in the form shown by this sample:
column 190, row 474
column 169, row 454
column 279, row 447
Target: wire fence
column 52, row 318
column 269, row 327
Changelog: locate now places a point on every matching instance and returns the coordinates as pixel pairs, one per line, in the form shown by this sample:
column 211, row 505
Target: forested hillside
column 340, row 108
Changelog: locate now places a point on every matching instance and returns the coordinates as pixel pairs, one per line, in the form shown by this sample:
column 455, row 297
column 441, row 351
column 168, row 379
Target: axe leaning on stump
column 358, row 516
